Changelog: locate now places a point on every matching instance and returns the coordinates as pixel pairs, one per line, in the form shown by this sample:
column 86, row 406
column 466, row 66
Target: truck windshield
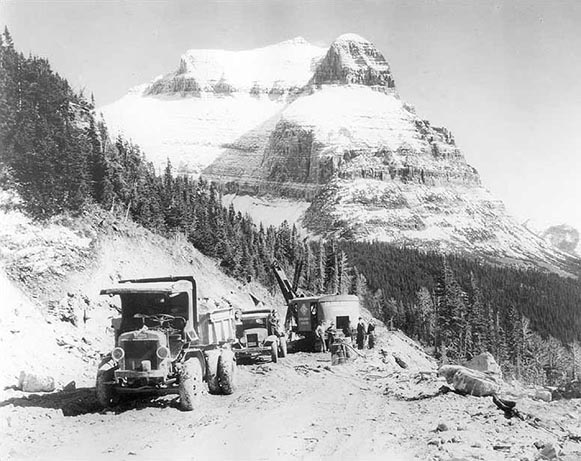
column 254, row 322
column 151, row 304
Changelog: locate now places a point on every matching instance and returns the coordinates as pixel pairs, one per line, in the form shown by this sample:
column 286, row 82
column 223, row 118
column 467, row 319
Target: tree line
column 59, row 156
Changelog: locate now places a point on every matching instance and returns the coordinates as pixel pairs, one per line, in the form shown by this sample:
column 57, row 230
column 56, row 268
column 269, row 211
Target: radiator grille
column 137, row 351
column 252, row 340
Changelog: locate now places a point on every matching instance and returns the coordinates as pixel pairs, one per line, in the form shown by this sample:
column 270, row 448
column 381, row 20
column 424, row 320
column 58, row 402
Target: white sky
column 504, row 77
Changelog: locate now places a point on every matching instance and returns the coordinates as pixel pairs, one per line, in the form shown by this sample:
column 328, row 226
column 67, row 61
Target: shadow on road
column 83, row 401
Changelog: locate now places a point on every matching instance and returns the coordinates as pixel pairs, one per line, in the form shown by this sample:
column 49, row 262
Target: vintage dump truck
column 305, row 312
column 259, row 334
column 164, row 345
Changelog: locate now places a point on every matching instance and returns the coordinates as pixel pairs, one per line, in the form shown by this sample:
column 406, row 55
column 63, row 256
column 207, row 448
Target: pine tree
column 343, row 278
column 321, row 274
column 8, row 42
column 426, row 316
column 576, row 360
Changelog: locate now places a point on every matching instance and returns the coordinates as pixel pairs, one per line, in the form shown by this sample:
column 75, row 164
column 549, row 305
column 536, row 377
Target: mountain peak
column 295, row 41
column 351, row 59
column 351, row 37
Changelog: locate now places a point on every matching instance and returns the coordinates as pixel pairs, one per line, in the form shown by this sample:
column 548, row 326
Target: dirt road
column 300, row 408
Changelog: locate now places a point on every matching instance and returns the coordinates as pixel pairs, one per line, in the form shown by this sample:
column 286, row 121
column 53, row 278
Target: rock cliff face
column 353, row 60
column 325, row 129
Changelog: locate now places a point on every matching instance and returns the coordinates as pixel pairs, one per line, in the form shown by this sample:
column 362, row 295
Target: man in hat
column 331, row 333
column 360, row 334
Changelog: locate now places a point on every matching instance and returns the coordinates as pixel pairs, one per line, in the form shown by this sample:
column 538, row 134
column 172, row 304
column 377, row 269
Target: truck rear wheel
column 227, row 372
column 190, row 386
column 106, row 395
column 274, row 352
column 212, row 357
column 283, row 346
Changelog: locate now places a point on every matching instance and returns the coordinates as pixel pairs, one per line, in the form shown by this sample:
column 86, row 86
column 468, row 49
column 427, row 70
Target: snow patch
column 270, row 211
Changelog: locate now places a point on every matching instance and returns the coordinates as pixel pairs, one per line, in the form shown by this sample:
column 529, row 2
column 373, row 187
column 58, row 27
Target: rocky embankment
column 54, row 321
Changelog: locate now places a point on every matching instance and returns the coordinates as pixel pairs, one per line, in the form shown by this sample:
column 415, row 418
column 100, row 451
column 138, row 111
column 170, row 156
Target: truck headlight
column 162, row 352
column 117, row 354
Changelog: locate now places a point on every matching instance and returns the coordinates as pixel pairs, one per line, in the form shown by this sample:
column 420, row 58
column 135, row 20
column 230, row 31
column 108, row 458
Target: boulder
column 549, row 451
column 468, row 381
column 542, row 394
column 486, row 364
column 442, row 427
column 31, row 382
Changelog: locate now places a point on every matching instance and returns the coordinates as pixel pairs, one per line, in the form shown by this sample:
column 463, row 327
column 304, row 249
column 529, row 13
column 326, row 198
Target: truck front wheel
column 283, row 346
column 274, row 352
column 190, row 385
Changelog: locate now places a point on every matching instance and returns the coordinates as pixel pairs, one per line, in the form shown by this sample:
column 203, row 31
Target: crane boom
column 287, row 290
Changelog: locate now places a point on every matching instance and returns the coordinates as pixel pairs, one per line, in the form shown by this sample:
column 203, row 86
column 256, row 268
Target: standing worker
column 360, row 334
column 320, row 336
column 274, row 321
column 331, row 333
column 371, row 335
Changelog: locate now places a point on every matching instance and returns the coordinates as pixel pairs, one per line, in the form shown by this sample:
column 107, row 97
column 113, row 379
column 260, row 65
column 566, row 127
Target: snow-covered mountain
column 212, row 99
column 321, row 137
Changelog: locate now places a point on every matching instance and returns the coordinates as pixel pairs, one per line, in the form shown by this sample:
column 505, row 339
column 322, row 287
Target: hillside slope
column 54, row 320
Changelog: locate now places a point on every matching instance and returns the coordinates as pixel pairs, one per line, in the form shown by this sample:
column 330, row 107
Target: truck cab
column 258, row 334
column 163, row 344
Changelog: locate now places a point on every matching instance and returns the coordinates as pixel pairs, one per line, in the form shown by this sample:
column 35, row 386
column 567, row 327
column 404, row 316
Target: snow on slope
column 190, row 131
column 285, row 65
column 270, row 211
column 355, row 117
column 213, row 98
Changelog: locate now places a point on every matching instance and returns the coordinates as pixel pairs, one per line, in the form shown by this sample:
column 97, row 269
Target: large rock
column 542, row 394
column 31, row 382
column 468, row 381
column 486, row 364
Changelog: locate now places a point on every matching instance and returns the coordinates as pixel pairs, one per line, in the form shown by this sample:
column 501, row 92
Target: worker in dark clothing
column 360, row 334
column 347, row 331
column 371, row 335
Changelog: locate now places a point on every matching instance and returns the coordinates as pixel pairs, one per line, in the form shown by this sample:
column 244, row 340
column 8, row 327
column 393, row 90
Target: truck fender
column 107, row 363
column 270, row 339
